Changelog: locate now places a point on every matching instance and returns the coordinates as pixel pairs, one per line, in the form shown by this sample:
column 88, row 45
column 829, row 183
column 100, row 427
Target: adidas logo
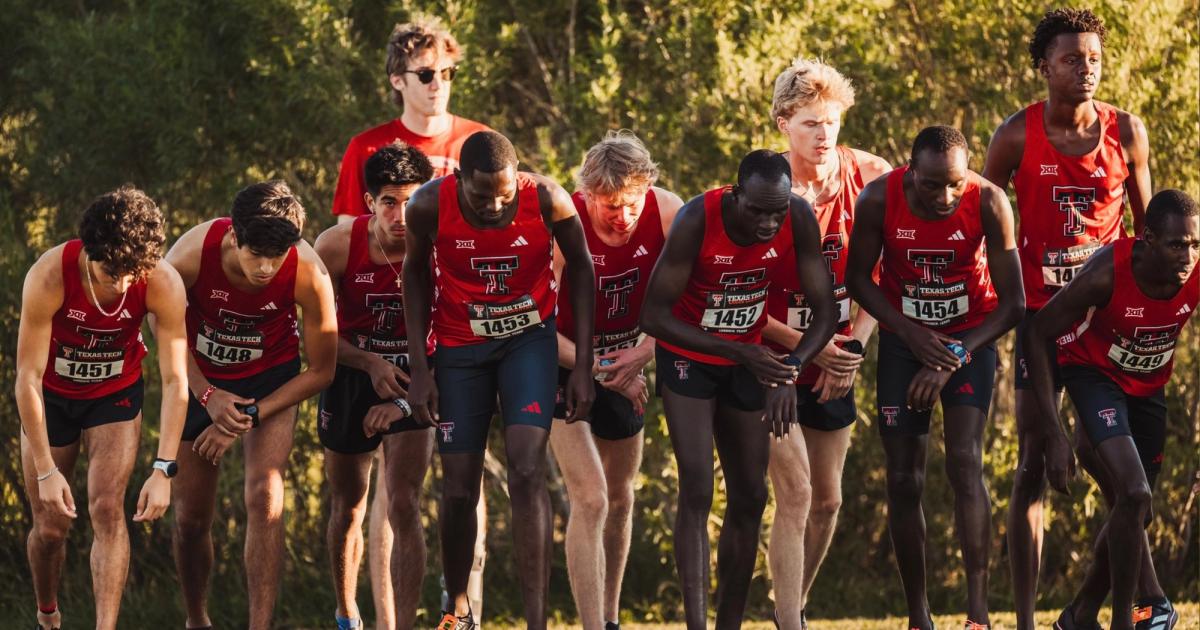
column 1099, row 172
column 532, row 407
column 1184, row 310
column 770, row 254
column 124, row 402
column 519, row 242
column 965, row 389
column 845, row 215
column 269, row 306
column 641, row 251
column 957, row 236
column 125, row 314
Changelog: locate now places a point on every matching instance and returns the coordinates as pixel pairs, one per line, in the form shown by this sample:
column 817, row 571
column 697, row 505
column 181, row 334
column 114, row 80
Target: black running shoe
column 1154, row 615
column 608, row 625
column 1066, row 621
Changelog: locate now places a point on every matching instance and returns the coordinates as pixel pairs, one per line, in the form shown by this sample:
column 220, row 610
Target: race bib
column 799, row 313
column 394, row 351
column 934, row 304
column 83, row 371
column 1131, row 361
column 608, row 342
column 733, row 312
column 223, row 348
column 498, row 321
column 1060, row 265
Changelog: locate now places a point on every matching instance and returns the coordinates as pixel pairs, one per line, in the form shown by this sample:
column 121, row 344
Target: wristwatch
column 167, row 466
column 793, row 361
column 249, row 410
column 405, row 408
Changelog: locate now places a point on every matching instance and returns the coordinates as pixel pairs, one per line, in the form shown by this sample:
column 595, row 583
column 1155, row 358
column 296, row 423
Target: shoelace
column 971, row 625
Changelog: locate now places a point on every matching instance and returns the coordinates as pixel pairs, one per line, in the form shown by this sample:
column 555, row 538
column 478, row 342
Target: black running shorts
column 67, row 418
column 341, row 410
column 832, row 415
column 1106, row 411
column 970, row 385
column 256, row 387
column 613, row 415
column 733, row 385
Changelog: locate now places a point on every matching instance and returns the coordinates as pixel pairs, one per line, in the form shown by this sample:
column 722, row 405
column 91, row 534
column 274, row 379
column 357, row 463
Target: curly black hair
column 267, row 218
column 1165, row 203
column 397, row 164
column 939, row 139
column 123, row 231
column 1060, row 21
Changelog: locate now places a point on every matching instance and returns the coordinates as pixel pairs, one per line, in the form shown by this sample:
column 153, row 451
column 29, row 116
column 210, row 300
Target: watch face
column 169, row 468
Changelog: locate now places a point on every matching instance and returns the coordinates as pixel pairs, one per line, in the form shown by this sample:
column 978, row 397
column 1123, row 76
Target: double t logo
column 97, row 339
column 931, row 262
column 831, row 248
column 742, row 279
column 236, row 322
column 617, row 290
column 388, row 309
column 1074, row 201
column 495, row 269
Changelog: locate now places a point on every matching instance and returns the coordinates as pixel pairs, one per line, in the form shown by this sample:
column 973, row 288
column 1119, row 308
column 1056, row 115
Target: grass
column 1189, row 619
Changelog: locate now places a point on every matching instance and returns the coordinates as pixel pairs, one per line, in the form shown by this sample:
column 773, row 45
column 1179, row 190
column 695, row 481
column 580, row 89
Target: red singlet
column 442, row 151
column 370, row 301
column 1069, row 205
column 491, row 283
column 1132, row 338
column 935, row 271
column 726, row 295
column 235, row 334
column 785, row 300
column 622, row 273
column 93, row 355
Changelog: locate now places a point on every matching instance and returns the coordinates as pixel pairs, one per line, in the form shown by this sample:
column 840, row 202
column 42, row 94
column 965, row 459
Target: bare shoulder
column 1133, row 130
column 556, row 201
column 190, row 243
column 334, row 241
column 668, row 206
column 870, row 166
column 46, row 272
column 307, row 257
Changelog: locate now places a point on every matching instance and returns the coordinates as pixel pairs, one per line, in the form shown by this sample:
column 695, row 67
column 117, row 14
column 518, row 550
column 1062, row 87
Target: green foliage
column 192, row 101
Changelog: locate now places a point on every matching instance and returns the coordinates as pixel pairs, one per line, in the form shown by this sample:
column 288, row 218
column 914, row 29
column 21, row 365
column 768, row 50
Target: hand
column 225, row 415
column 55, row 494
column 767, row 365
column 423, row 396
column 1060, row 461
column 627, row 366
column 924, row 388
column 832, row 386
column 387, row 379
column 154, row 499
column 581, row 392
column 930, row 347
column 212, row 444
column 380, row 417
column 780, row 410
column 635, row 391
column 833, row 358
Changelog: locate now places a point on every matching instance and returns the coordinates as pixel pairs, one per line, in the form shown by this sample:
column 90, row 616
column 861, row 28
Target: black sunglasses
column 425, row 75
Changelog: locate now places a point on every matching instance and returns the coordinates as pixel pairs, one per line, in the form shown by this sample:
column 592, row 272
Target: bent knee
column 905, row 485
column 825, row 508
column 106, row 511
column 590, row 506
column 51, row 530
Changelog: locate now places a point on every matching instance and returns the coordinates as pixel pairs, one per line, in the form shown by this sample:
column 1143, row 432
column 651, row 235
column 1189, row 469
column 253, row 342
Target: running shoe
column 1157, row 614
column 971, row 625
column 1066, row 621
column 608, row 625
column 451, row 622
column 53, row 621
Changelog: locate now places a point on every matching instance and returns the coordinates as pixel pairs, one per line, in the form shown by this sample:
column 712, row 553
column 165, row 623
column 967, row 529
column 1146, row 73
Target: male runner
column 490, row 231
column 1116, row 325
column 939, row 316
column 806, row 471
column 245, row 275
column 79, row 373
column 625, row 219
column 1074, row 161
column 364, row 406
column 706, row 305
column 422, row 58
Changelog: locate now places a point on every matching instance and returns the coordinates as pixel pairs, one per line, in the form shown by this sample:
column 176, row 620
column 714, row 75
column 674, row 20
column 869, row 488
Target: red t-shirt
column 235, row 334
column 442, row 151
column 370, row 301
column 785, row 300
column 622, row 273
column 726, row 295
column 935, row 271
column 491, row 283
column 1132, row 338
column 92, row 354
column 1069, row 205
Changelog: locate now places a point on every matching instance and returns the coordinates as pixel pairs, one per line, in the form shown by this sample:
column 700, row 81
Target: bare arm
column 41, row 298
column 814, row 277
column 166, row 299
column 1005, row 268
column 1005, row 150
column 314, row 296
column 1136, row 143
column 868, row 246
column 421, row 220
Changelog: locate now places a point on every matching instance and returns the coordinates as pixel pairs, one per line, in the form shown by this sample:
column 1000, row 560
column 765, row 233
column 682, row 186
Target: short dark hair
column 486, row 151
column 267, row 218
column 396, row 165
column 939, row 139
column 1060, row 21
column 123, row 231
column 1165, row 203
column 764, row 163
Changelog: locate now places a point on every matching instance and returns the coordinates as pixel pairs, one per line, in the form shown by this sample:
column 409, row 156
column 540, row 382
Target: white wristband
column 48, row 474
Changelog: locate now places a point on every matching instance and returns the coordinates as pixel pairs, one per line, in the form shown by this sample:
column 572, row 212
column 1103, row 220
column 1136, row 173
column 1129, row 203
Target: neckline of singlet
column 1100, row 118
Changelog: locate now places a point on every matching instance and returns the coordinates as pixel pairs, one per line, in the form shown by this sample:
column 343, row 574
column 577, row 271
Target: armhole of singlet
column 1111, row 119
column 652, row 215
column 1035, row 134
column 447, row 204
column 211, row 247
column 1123, row 269
column 854, row 170
column 893, row 193
column 359, row 248
column 70, row 268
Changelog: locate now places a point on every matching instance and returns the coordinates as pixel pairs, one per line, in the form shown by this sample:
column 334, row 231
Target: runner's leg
column 972, row 509
column 1126, row 535
column 266, row 450
column 461, row 473
column 525, row 447
column 379, row 550
column 194, row 496
column 406, row 456
column 621, row 459
column 46, row 545
column 349, row 480
column 827, row 458
column 112, row 449
column 583, row 473
column 791, row 478
column 906, row 521
column 1025, row 518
